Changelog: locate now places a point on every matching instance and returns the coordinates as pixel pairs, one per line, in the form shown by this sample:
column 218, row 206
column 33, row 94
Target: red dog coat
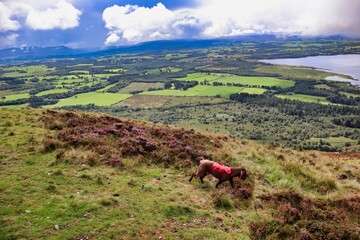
column 221, row 168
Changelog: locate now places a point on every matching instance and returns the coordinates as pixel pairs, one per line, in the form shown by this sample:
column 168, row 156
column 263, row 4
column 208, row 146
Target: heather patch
column 106, row 140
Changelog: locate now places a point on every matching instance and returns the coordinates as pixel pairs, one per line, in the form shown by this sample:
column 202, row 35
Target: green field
column 200, row 91
column 106, row 88
column 153, row 101
column 163, row 70
column 69, row 77
column 19, row 71
column 15, row 97
column 132, row 87
column 170, row 56
column 244, row 80
column 305, row 98
column 257, row 91
column 115, row 70
column 51, row 92
column 350, row 94
column 83, row 65
column 258, row 81
column 102, row 75
column 323, row 86
column 99, row 99
column 202, row 77
column 335, row 141
column 79, row 72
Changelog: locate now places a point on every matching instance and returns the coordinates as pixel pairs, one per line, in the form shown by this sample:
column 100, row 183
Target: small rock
column 57, row 227
column 160, row 238
column 27, row 211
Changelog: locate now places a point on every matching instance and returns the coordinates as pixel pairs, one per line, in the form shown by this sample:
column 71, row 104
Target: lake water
column 342, row 64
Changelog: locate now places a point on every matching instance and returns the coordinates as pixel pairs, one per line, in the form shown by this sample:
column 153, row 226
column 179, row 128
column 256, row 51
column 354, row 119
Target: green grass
column 323, row 86
column 305, row 98
column 244, row 80
column 350, row 94
column 170, row 56
column 99, row 99
column 44, row 198
column 200, row 91
column 15, row 97
column 335, row 141
column 201, row 77
column 140, row 87
column 157, row 101
column 28, row 70
column 115, row 70
column 51, row 92
column 69, row 81
column 258, row 81
column 71, row 77
column 106, row 88
column 83, row 65
column 79, row 72
column 257, row 91
column 163, row 70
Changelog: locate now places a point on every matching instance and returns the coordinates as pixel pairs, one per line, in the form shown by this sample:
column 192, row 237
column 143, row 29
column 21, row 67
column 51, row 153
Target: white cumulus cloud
column 62, row 16
column 217, row 18
column 132, row 23
column 6, row 21
column 38, row 14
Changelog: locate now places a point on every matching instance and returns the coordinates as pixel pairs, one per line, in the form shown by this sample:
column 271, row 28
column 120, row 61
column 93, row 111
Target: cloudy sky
column 99, row 23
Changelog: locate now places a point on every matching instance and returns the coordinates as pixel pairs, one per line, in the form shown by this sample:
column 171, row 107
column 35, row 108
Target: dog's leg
column 220, row 182
column 192, row 175
column 231, row 182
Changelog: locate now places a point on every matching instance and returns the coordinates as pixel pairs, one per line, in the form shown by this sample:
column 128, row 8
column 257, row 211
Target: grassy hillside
column 74, row 175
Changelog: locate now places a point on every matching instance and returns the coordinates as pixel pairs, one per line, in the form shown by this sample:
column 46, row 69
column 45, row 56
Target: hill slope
column 73, row 175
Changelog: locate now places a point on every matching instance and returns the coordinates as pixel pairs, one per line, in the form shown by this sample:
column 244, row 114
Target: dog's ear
column 243, row 174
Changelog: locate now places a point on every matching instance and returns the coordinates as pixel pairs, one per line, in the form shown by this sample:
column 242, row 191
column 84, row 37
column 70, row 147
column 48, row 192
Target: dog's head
column 243, row 174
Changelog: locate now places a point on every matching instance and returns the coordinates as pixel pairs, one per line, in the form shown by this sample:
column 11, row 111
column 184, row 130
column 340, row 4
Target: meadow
column 243, row 80
column 305, row 98
column 200, row 91
column 138, row 86
column 44, row 93
column 15, row 97
column 163, row 70
column 97, row 98
column 59, row 188
column 23, row 71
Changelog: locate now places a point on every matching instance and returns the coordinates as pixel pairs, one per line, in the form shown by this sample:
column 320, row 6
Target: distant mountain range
column 33, row 53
